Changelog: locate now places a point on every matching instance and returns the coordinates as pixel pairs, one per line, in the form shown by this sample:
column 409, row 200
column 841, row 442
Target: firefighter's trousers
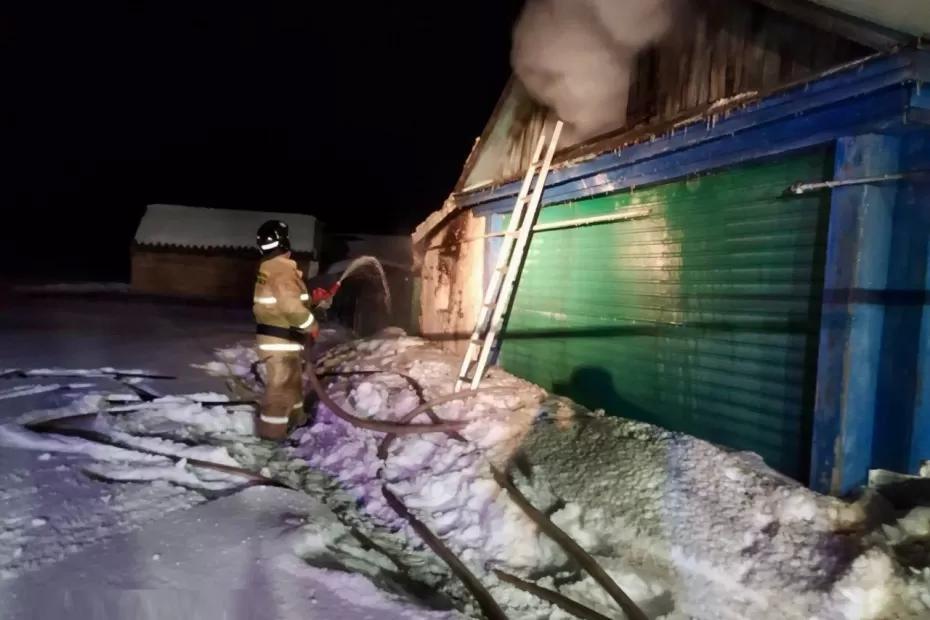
column 283, row 402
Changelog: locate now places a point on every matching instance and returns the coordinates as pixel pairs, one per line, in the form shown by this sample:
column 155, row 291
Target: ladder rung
column 502, row 269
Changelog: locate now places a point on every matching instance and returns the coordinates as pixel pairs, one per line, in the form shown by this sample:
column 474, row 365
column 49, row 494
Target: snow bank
column 688, row 528
column 185, row 416
column 447, row 483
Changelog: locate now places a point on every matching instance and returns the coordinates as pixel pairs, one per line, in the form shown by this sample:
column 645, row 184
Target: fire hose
column 556, row 598
column 486, row 602
column 395, row 428
column 55, row 427
column 572, row 548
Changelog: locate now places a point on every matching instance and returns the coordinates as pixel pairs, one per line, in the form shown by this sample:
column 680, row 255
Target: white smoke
column 577, row 57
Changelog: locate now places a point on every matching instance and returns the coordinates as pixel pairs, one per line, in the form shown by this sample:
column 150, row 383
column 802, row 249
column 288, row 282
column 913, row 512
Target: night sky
column 359, row 113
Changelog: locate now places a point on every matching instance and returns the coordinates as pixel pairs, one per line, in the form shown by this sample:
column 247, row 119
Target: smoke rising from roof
column 577, row 57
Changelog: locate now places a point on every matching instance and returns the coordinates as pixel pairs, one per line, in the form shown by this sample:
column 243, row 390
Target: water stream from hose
column 373, row 264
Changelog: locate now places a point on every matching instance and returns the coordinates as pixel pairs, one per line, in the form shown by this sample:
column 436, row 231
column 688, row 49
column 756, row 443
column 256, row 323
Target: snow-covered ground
column 94, row 531
column 243, row 556
column 687, row 529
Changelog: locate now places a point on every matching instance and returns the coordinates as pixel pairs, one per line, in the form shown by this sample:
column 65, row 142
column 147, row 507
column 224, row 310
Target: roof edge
column 629, row 137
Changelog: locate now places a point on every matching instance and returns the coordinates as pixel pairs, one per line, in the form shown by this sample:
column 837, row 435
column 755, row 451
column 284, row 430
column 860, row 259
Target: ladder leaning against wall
column 504, row 277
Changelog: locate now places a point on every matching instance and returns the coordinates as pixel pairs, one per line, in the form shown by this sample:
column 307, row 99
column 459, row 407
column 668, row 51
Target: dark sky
column 359, row 113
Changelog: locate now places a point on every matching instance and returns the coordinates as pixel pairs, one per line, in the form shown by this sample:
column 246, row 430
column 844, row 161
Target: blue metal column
column 858, row 244
column 918, row 158
column 920, row 431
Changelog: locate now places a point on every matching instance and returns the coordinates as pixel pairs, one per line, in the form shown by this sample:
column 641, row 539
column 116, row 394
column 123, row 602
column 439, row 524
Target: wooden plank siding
column 719, row 51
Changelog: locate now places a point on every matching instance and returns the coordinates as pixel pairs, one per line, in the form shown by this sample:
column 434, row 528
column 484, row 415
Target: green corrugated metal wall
column 702, row 316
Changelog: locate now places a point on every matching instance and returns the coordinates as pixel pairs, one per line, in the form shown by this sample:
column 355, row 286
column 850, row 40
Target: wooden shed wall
column 452, row 279
column 718, row 50
column 211, row 274
column 193, row 274
column 726, row 49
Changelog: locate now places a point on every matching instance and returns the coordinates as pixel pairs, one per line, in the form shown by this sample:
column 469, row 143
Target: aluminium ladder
column 513, row 249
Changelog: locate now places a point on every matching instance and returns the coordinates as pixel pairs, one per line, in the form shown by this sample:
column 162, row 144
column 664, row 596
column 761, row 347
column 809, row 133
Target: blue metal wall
column 871, row 410
column 873, row 373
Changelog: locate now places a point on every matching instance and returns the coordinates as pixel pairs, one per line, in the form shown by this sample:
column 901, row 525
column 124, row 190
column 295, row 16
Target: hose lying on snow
column 551, row 596
column 488, row 605
column 486, row 602
column 97, row 437
column 572, row 548
column 426, row 408
column 395, row 428
column 423, row 407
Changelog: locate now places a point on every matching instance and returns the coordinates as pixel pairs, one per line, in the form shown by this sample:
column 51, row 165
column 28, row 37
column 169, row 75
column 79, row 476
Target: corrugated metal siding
column 702, row 317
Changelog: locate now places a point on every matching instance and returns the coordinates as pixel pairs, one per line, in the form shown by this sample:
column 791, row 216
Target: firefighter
column 284, row 324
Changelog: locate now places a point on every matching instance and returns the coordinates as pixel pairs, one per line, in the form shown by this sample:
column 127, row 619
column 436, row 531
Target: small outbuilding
column 209, row 254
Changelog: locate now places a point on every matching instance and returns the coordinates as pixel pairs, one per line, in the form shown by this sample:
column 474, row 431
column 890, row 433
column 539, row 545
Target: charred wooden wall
column 452, row 278
column 718, row 49
column 728, row 48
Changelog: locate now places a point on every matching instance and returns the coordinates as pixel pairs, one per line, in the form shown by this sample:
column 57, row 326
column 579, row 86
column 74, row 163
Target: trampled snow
column 231, row 558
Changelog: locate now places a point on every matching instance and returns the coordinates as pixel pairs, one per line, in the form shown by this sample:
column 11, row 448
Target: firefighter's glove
column 318, row 295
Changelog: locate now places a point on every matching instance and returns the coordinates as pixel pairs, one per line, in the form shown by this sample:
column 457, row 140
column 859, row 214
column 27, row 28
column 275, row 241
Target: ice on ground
column 51, row 511
column 87, row 372
column 36, row 389
column 83, row 405
column 15, row 436
column 28, row 390
column 233, row 557
column 179, row 473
